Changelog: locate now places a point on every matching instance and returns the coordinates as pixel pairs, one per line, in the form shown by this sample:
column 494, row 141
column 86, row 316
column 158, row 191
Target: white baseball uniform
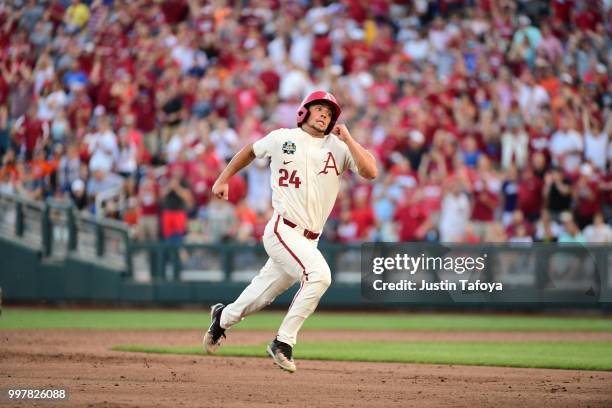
column 305, row 180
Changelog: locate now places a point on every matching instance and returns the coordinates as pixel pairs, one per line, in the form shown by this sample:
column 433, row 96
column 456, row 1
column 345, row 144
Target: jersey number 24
column 293, row 179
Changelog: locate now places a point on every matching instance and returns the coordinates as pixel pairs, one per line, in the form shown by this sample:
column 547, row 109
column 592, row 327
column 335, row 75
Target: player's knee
column 326, row 281
column 325, row 276
column 319, row 272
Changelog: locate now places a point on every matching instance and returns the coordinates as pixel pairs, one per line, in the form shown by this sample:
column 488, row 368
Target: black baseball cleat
column 282, row 354
column 212, row 338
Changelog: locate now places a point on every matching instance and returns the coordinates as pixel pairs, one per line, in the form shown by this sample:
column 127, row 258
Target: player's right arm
column 242, row 159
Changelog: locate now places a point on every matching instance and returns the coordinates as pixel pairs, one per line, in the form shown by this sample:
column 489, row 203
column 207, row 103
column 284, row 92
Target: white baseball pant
column 293, row 257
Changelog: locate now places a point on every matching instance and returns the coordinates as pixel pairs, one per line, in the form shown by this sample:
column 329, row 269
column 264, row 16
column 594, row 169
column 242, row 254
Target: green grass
column 16, row 318
column 566, row 355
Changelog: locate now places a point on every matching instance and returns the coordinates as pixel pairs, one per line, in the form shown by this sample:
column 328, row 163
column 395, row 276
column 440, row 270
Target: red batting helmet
column 319, row 96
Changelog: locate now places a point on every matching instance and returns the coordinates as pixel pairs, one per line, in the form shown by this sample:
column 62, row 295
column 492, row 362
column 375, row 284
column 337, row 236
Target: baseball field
column 142, row 358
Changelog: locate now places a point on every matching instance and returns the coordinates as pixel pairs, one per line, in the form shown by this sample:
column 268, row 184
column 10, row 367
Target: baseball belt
column 307, row 234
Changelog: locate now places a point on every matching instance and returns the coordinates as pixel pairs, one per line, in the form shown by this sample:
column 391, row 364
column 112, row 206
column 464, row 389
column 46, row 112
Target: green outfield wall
column 51, row 254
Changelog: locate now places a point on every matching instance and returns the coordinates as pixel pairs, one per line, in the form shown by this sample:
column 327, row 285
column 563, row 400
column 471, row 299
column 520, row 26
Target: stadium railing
column 57, row 231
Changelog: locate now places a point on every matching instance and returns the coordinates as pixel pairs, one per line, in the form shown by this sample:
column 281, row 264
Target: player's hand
column 221, row 190
column 342, row 132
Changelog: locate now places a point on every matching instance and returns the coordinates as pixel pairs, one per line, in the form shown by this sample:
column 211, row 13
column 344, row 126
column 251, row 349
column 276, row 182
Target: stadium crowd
column 490, row 119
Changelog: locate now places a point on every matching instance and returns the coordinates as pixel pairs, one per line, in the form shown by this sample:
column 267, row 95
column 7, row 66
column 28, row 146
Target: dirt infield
column 95, row 376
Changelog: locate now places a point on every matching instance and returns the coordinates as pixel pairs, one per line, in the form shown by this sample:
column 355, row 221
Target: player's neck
column 312, row 131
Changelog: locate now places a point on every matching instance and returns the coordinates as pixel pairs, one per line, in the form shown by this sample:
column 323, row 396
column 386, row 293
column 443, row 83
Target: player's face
column 320, row 116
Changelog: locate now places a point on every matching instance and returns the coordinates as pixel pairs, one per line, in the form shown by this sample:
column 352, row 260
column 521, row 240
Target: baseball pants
column 293, row 257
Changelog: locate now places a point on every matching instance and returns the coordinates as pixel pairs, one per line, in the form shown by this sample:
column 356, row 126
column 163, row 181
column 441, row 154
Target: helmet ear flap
column 302, row 115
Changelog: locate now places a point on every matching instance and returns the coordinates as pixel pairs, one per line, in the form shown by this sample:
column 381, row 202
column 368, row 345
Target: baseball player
column 307, row 163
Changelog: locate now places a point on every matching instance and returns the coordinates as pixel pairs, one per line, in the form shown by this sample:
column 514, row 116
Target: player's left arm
column 365, row 161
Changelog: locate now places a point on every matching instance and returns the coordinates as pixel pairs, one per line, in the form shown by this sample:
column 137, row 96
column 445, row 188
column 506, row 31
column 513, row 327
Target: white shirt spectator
column 316, row 14
column 479, row 26
column 259, row 191
column 567, row 145
column 49, row 106
column 127, row 160
column 596, row 149
column 357, row 84
column 43, row 75
column 514, row 145
column 598, row 234
column 101, row 161
column 301, row 48
column 454, row 217
column 57, row 100
column 531, row 98
column 174, row 147
column 103, row 149
column 417, row 49
column 7, row 186
column 540, row 230
column 185, row 56
column 439, row 39
column 276, row 50
column 44, row 110
column 225, row 141
column 294, row 85
column 103, row 182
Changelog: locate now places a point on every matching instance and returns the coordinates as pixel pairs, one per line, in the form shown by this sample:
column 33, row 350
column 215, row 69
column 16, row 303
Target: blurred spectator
column 546, row 229
column 363, row 216
column 69, row 168
column 586, row 196
column 455, row 214
column 386, row 193
column 566, row 146
column 495, row 233
column 225, row 139
column 558, row 192
column 246, row 218
column 219, row 220
column 103, row 181
column 347, row 228
column 596, row 141
column 530, row 197
column 148, row 203
column 519, row 227
column 176, row 199
column 76, row 16
column 127, row 155
column 29, row 133
column 258, row 190
column 510, row 194
column 27, row 185
column 571, row 233
column 598, row 232
column 78, row 195
column 60, row 128
column 412, row 217
column 514, row 146
column 102, row 146
column 470, row 236
column 486, row 195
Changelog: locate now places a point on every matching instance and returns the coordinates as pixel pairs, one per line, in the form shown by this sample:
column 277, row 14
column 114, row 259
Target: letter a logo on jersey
column 330, row 163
